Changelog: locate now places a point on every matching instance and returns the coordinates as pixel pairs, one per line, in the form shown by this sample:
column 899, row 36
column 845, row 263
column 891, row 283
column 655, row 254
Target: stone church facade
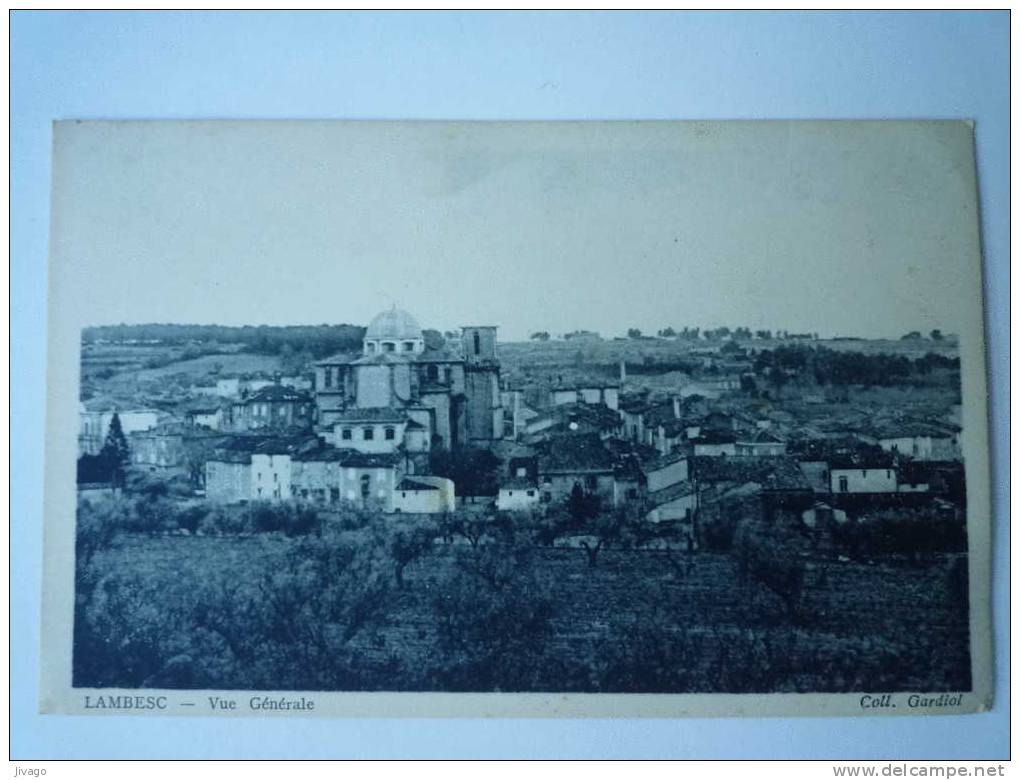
column 399, row 392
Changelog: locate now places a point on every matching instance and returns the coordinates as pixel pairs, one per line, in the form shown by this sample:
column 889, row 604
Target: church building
column 399, row 393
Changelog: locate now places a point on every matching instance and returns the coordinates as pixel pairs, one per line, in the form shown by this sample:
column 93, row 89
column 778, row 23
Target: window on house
column 334, row 495
column 864, row 472
column 329, row 377
column 371, row 346
column 478, row 344
column 632, row 493
column 366, row 487
column 510, row 492
column 274, row 476
column 446, row 375
column 888, row 474
column 531, row 494
column 546, row 497
column 389, row 346
column 390, row 433
column 368, row 434
column 843, row 485
column 408, row 346
column 591, row 481
column 346, row 434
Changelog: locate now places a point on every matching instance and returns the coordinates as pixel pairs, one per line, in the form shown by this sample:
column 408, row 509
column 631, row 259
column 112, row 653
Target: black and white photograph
column 568, row 409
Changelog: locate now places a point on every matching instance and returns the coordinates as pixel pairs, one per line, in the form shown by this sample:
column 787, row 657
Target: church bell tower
column 484, row 413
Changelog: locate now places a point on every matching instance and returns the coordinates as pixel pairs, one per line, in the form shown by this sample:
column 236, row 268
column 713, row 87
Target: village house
column 298, row 382
column 760, row 443
column 367, row 480
column 665, row 471
column 862, row 472
column 203, row 388
column 270, row 474
column 777, row 475
column 675, row 504
column 673, row 434
column 919, row 440
column 516, row 413
column 633, row 410
column 845, row 465
column 662, row 425
column 95, row 415
column 822, row 515
column 629, row 483
column 671, row 494
column 228, row 387
column 517, row 494
column 316, row 475
column 172, row 449
column 679, row 423
column 913, row 477
column 273, row 407
column 228, row 471
column 573, row 418
column 377, row 430
column 254, row 468
column 584, row 460
column 253, row 383
column 207, row 412
column 424, row 495
column 714, row 444
column 588, row 391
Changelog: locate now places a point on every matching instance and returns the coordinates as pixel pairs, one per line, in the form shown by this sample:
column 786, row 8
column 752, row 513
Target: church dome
column 393, row 324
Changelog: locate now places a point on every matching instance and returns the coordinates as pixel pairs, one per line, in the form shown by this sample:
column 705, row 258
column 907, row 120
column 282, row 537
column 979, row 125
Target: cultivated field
column 641, row 620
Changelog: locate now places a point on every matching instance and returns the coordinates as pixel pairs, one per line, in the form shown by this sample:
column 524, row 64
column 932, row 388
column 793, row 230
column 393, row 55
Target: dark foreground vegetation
column 291, row 597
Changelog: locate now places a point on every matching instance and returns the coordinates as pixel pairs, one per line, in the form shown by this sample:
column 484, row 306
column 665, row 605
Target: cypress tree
column 115, row 450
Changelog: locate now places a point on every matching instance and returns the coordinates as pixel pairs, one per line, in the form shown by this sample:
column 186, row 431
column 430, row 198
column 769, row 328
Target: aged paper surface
column 529, row 419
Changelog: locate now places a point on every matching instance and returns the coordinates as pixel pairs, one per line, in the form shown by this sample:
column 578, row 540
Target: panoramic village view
column 412, row 508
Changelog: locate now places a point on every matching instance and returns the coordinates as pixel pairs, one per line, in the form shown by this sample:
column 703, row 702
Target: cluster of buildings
column 362, row 430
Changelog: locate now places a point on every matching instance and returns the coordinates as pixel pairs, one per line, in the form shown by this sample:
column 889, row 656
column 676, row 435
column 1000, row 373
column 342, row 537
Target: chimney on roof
column 676, row 407
column 623, row 371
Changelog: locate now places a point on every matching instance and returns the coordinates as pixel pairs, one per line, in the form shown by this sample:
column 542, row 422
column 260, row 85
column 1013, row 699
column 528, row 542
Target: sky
column 840, row 228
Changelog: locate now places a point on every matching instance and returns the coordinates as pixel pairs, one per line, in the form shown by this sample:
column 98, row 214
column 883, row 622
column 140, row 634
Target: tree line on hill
column 838, row 367
column 722, row 333
column 318, row 340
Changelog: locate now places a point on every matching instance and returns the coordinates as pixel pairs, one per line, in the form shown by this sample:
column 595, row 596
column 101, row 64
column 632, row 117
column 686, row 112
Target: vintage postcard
column 516, row 419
